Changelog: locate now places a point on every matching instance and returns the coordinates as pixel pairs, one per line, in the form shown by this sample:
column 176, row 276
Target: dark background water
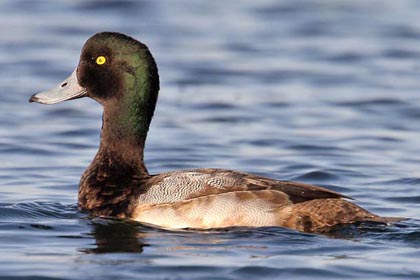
column 325, row 92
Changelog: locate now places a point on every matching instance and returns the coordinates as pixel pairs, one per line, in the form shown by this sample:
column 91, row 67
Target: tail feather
column 320, row 215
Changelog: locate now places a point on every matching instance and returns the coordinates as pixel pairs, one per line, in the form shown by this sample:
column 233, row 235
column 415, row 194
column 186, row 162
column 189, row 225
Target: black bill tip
column 33, row 99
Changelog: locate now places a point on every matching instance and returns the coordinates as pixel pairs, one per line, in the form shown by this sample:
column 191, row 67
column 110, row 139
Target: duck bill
column 66, row 90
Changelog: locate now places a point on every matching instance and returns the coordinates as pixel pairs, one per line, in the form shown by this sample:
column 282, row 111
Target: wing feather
column 188, row 184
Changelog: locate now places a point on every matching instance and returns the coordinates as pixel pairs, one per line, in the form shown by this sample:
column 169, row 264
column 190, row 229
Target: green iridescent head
column 120, row 73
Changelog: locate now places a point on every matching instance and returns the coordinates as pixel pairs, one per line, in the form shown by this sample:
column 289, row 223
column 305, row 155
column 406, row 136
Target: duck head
column 120, row 73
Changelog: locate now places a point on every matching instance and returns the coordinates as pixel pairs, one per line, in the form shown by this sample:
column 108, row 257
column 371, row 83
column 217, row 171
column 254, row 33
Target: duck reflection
column 116, row 236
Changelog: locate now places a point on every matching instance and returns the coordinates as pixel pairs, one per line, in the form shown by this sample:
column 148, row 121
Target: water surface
column 324, row 92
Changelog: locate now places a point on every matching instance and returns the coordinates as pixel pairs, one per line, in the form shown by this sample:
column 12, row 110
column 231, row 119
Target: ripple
column 228, row 119
column 401, row 54
column 33, row 277
column 348, row 57
column 36, row 210
column 214, row 106
column 122, row 6
column 371, row 102
column 316, row 176
column 413, row 199
column 402, row 32
column 315, row 148
column 403, row 181
column 285, row 272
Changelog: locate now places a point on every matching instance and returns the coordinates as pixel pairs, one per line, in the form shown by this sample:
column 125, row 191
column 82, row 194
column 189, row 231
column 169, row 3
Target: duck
column 120, row 73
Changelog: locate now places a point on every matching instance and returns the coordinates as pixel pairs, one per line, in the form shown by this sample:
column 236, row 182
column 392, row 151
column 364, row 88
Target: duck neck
column 121, row 142
column 126, row 121
column 112, row 180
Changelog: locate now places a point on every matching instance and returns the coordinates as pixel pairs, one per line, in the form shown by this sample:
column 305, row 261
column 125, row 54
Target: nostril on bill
column 64, row 84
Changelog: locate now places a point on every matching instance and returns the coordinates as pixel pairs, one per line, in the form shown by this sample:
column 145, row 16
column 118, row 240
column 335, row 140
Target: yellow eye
column 100, row 60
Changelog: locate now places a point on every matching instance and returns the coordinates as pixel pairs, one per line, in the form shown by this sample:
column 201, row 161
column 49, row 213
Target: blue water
column 324, row 92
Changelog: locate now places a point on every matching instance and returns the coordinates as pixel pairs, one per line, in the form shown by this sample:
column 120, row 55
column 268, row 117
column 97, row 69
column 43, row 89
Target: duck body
column 120, row 73
column 216, row 198
column 213, row 198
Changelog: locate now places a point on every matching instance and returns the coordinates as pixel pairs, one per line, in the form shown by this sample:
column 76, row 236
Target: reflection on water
column 324, row 92
column 115, row 237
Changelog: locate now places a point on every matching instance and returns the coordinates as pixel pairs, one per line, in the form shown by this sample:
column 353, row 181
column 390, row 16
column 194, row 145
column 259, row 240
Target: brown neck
column 112, row 181
column 121, row 141
column 126, row 156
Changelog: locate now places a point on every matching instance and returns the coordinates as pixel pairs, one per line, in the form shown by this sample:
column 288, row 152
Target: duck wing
column 188, row 184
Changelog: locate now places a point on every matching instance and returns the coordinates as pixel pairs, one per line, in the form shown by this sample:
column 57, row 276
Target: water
column 324, row 92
